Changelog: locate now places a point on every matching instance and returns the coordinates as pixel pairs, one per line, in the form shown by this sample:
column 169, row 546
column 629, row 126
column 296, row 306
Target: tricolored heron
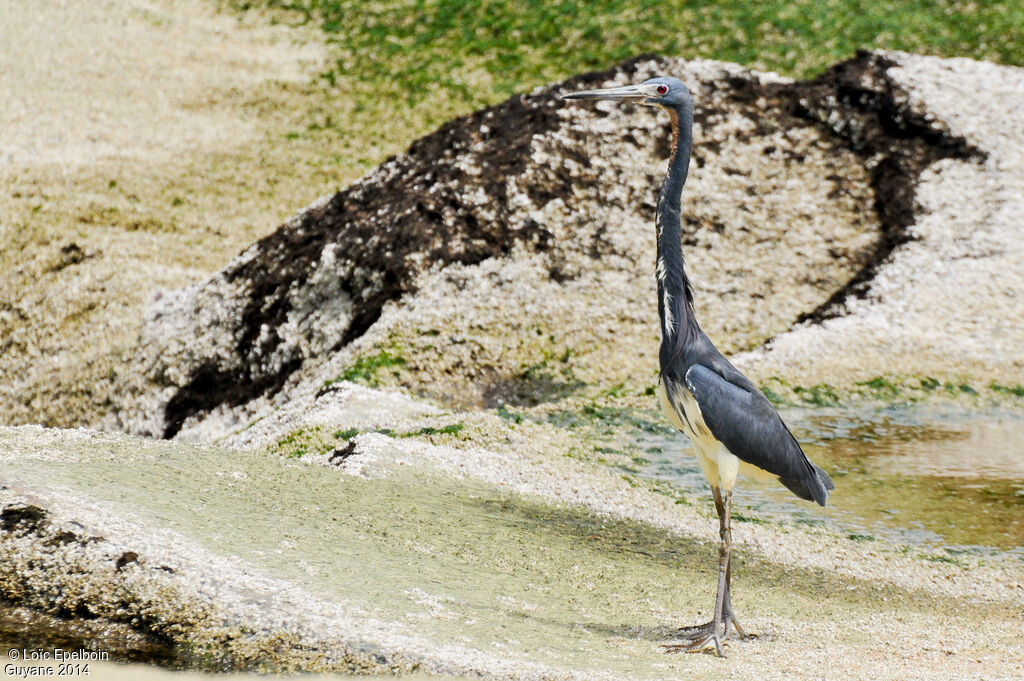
column 732, row 425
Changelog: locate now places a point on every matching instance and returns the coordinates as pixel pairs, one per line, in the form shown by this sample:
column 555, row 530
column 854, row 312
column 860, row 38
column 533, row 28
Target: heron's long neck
column 675, row 298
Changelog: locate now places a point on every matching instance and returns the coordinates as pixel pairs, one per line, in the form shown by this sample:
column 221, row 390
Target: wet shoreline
column 924, row 477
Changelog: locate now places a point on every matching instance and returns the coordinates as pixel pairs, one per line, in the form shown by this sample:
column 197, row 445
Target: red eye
column 662, row 89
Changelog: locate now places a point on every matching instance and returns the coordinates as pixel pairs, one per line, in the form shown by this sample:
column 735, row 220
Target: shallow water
column 951, row 482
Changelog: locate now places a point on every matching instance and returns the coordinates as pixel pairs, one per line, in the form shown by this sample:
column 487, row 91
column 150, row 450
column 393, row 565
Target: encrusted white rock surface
column 951, row 301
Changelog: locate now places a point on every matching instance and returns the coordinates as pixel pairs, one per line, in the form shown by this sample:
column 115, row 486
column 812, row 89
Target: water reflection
column 949, row 481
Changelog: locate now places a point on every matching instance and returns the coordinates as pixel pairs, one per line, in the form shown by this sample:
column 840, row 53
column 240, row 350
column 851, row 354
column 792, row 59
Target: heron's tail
column 814, row 486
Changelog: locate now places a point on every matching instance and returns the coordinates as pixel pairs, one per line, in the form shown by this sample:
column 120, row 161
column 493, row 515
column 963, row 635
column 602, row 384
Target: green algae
column 303, row 441
column 367, row 369
column 1015, row 390
column 819, row 395
column 450, row 429
column 892, row 389
column 317, row 440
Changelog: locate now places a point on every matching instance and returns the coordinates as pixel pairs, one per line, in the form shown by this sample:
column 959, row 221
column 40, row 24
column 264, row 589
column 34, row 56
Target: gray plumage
column 740, row 417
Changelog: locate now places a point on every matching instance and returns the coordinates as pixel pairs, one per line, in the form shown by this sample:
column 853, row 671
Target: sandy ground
column 142, row 147
column 509, row 561
column 126, row 80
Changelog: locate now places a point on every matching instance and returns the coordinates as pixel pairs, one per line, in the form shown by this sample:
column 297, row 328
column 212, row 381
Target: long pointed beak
column 625, row 92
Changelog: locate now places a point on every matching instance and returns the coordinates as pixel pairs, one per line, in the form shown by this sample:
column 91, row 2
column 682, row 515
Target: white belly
column 720, row 466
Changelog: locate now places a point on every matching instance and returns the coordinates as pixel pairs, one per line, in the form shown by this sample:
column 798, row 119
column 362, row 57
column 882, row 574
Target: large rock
column 507, row 256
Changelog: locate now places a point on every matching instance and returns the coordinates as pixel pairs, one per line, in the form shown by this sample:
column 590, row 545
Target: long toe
column 740, row 633
column 697, row 645
column 730, row 630
column 696, row 631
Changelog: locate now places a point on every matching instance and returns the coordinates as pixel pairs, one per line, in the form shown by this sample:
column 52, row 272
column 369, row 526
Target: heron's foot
column 699, row 643
column 711, row 634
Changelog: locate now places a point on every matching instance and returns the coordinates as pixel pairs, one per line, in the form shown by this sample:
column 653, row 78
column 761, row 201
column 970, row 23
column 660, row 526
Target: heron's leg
column 724, row 547
column 728, row 616
column 717, row 630
column 703, row 630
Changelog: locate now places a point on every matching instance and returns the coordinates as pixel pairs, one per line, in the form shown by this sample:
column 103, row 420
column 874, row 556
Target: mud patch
column 21, row 519
column 26, row 628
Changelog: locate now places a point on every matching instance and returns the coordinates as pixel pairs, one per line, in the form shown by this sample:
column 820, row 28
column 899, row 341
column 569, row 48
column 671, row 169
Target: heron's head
column 663, row 91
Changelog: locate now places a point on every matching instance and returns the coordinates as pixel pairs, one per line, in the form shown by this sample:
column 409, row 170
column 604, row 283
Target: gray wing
column 742, row 419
